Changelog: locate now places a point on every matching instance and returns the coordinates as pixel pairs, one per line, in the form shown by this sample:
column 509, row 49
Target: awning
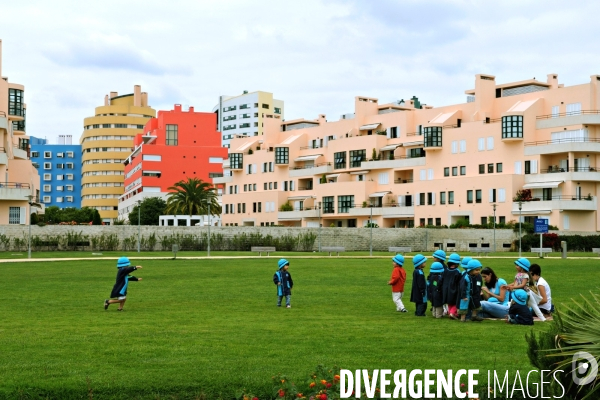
column 331, row 176
column 359, row 172
column 369, row 126
column 411, row 144
column 389, row 147
column 289, row 219
column 312, row 157
column 299, row 197
column 531, row 212
column 379, row 194
column 542, row 185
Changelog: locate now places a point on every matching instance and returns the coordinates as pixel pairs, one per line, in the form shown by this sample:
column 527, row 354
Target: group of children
column 457, row 293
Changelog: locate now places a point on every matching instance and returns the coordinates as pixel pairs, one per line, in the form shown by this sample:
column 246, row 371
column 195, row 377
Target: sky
column 314, row 55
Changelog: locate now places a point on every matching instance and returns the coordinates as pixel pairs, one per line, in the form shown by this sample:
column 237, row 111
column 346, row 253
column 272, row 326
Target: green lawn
column 210, row 327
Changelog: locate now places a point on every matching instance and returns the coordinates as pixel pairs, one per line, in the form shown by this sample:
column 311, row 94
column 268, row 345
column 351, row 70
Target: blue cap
column 519, row 296
column 282, row 263
column 123, row 262
column 523, row 263
column 454, row 258
column 398, row 259
column 436, row 268
column 440, row 255
column 418, row 260
column 465, row 261
column 473, row 264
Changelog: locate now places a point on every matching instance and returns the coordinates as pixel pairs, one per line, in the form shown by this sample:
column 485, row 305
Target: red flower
column 312, row 385
column 281, row 393
column 255, row 398
column 328, row 385
column 336, row 378
column 323, row 397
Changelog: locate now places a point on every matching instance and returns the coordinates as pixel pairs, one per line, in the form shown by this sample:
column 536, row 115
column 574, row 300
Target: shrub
column 286, row 207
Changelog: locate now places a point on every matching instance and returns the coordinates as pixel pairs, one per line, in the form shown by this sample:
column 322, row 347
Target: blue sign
column 540, row 225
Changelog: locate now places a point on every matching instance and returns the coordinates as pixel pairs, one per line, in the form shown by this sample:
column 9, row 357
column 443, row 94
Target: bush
column 286, row 207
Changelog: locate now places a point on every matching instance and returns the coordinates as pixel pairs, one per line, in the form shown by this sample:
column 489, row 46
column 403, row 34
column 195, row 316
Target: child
column 397, row 282
column 519, row 313
column 418, row 293
column 469, row 301
column 545, row 304
column 119, row 291
column 450, row 280
column 524, row 281
column 440, row 256
column 434, row 289
column 283, row 280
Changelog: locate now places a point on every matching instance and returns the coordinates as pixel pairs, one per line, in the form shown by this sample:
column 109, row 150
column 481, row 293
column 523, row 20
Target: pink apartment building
column 406, row 164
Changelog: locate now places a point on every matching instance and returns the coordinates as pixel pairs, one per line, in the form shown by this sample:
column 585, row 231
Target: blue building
column 59, row 166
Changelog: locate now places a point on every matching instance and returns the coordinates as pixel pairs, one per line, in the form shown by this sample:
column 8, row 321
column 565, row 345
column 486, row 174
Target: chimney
column 144, row 99
column 113, row 94
column 485, row 93
column 106, row 100
column 178, row 108
column 552, row 80
column 137, row 98
column 191, row 109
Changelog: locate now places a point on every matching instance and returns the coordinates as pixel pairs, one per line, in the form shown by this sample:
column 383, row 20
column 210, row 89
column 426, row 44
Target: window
column 442, row 197
column 416, row 153
column 498, row 167
column 454, row 171
column 106, row 125
column 14, row 215
column 339, row 160
column 245, row 187
column 463, row 146
column 265, row 106
column 59, row 188
column 478, row 196
column 69, row 199
column 35, row 154
column 328, row 205
column 277, row 110
column 236, row 160
column 59, row 199
column 69, row 188
column 15, row 102
column 490, row 143
column 429, row 221
column 265, row 186
column 345, row 203
column 394, row 132
column 47, row 177
column 438, row 222
column 47, row 154
column 547, row 194
column 356, row 157
column 60, row 166
column 282, row 155
column 171, row 135
column 430, row 199
column 574, row 109
column 512, row 126
column 70, row 154
column 421, row 199
column 481, row 144
column 120, row 125
column 527, row 167
column 454, row 147
column 47, row 199
column 60, row 155
column 482, row 168
column 69, row 177
column 555, row 111
column 450, row 197
column 47, row 188
column 47, row 165
column 492, row 195
column 469, row 196
column 447, row 171
column 483, row 220
column 433, row 136
column 463, row 170
column 69, row 165
column 502, row 220
column 490, row 168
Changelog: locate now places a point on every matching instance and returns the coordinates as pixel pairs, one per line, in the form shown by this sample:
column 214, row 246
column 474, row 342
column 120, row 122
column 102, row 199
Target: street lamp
column 139, row 203
column 371, row 225
column 208, row 212
column 319, row 208
column 520, row 223
column 494, row 205
column 30, row 197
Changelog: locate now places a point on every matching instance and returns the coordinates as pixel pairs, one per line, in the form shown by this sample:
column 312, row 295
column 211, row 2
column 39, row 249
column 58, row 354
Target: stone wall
column 353, row 239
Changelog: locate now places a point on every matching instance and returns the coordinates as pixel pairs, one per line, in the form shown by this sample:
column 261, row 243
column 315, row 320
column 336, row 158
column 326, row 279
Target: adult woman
column 495, row 304
column 545, row 304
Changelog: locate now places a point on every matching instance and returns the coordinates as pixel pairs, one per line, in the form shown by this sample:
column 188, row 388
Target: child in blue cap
column 470, row 292
column 119, row 291
column 519, row 313
column 434, row 289
column 397, row 282
column 418, row 293
column 450, row 283
column 283, row 280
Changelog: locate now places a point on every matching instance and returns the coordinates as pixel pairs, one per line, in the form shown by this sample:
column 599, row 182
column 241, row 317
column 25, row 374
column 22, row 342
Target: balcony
column 14, row 191
column 386, row 211
column 589, row 174
column 585, row 117
column 311, row 170
column 222, row 179
column 564, row 202
column 297, row 215
column 3, row 156
column 562, row 146
column 19, row 154
column 397, row 163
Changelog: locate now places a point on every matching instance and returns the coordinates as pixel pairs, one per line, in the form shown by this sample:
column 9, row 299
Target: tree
column 96, row 220
column 150, row 209
column 190, row 197
column 52, row 215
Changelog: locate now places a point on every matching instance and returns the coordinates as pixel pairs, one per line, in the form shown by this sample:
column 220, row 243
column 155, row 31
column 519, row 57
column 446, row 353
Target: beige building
column 407, row 164
column 107, row 140
column 18, row 177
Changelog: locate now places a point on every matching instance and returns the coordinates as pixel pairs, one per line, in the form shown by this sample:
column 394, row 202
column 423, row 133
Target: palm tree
column 190, row 197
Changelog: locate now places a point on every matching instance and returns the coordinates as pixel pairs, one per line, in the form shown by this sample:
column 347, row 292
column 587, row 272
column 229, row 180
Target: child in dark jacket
column 119, row 291
column 283, row 280
column 418, row 293
column 469, row 301
column 434, row 289
column 519, row 313
column 450, row 281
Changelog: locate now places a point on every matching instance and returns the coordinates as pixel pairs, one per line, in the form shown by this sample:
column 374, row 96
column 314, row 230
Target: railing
column 403, row 181
column 311, row 166
column 558, row 141
column 305, row 188
column 310, row 147
column 451, row 126
column 331, row 210
column 14, row 185
column 568, row 114
column 553, row 170
column 414, row 134
column 557, row 197
column 492, row 120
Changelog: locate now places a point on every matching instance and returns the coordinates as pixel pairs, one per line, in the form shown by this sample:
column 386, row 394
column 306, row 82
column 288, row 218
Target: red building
column 174, row 146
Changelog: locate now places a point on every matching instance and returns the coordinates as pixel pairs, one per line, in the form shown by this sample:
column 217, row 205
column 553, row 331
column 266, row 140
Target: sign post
column 540, row 225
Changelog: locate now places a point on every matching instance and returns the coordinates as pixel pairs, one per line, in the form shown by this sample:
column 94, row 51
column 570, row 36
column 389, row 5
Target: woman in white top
column 545, row 304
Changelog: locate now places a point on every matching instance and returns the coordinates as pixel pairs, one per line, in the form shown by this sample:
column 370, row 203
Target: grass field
column 210, row 327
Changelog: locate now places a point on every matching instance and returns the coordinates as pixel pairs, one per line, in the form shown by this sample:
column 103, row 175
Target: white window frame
column 463, row 146
column 47, row 154
column 47, row 165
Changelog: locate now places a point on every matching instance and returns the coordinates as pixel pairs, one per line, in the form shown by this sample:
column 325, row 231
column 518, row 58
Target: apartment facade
column 405, row 164
column 60, row 169
column 174, row 146
column 244, row 115
column 107, row 140
column 18, row 177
